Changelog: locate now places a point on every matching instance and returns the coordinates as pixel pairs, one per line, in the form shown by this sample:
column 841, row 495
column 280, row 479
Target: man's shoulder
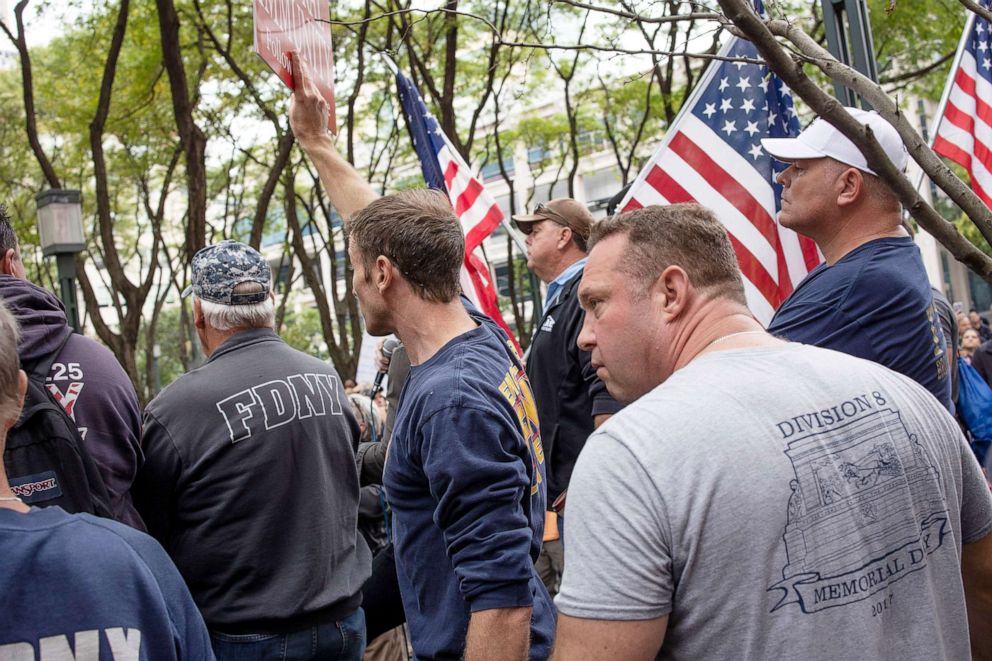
column 275, row 360
column 91, row 537
column 870, row 272
column 92, row 356
column 468, row 371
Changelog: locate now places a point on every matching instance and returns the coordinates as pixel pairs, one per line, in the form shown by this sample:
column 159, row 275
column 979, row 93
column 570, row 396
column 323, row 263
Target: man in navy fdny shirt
column 871, row 298
column 465, row 471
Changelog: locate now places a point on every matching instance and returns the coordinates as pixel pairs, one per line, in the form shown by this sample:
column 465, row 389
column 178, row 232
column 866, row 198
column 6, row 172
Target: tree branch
column 763, row 37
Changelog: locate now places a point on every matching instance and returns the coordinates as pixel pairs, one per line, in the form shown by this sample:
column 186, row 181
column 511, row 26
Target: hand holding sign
column 298, row 27
column 307, row 108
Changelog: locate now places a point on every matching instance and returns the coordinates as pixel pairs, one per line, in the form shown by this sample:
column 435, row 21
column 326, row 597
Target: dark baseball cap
column 564, row 210
column 218, row 269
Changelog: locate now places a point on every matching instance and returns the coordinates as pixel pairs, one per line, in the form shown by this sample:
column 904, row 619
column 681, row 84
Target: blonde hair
column 10, row 365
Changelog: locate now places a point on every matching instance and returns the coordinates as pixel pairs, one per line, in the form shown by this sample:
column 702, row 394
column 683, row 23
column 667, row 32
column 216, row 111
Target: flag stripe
column 737, row 223
column 477, row 211
column 750, row 267
column 726, row 186
column 964, row 131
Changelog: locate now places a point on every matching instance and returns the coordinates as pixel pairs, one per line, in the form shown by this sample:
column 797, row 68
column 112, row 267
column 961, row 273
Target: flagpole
column 947, row 90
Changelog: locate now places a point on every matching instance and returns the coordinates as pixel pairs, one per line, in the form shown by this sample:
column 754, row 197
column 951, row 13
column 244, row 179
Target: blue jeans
column 343, row 640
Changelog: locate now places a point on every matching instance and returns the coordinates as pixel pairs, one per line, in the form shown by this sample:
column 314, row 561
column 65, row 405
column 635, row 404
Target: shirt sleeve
column 618, row 560
column 473, row 460
column 155, row 486
column 190, row 635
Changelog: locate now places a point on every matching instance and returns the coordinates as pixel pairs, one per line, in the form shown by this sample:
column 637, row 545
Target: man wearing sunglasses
column 571, row 400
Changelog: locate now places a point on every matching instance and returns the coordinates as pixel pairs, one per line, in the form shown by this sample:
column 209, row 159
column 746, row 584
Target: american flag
column 478, row 212
column 712, row 154
column 964, row 133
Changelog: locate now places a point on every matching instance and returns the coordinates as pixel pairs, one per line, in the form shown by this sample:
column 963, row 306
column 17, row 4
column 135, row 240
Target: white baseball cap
column 822, row 139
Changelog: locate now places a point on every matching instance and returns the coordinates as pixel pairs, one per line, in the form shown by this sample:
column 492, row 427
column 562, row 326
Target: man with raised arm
column 465, row 472
column 758, row 499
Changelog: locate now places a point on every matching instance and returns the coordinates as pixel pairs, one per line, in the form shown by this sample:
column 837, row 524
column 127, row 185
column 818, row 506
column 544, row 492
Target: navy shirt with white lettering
column 75, row 586
column 873, row 303
column 465, row 479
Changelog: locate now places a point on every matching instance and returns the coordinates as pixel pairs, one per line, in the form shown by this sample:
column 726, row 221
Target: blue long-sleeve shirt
column 465, row 479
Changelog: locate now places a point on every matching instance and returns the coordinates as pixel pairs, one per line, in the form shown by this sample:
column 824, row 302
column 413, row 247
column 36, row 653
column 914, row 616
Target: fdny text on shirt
column 119, row 644
column 279, row 402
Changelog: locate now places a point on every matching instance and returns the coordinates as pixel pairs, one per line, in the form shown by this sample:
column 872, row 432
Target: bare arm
column 348, row 190
column 579, row 639
column 976, row 570
column 499, row 634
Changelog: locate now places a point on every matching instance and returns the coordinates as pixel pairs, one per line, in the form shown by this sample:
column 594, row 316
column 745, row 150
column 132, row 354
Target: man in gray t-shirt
column 767, row 500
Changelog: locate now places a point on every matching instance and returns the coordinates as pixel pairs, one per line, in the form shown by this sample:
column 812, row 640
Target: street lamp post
column 849, row 40
column 60, row 229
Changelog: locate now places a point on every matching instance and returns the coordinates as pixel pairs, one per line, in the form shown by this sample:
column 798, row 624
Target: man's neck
column 854, row 233
column 212, row 339
column 720, row 325
column 7, row 498
column 566, row 260
column 425, row 327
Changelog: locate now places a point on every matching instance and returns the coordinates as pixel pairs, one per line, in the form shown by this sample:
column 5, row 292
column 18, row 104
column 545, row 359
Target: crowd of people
column 730, row 491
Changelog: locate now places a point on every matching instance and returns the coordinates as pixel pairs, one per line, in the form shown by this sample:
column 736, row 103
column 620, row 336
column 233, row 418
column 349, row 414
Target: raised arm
column 347, row 189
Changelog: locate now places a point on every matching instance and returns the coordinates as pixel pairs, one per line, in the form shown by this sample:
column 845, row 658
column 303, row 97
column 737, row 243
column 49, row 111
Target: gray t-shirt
column 785, row 502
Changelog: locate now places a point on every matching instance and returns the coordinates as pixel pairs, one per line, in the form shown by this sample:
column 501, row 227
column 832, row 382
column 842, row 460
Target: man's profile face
column 808, row 197
column 369, row 299
column 542, row 244
column 622, row 323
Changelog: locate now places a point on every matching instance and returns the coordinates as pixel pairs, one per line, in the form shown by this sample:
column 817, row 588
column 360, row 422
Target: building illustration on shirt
column 866, row 508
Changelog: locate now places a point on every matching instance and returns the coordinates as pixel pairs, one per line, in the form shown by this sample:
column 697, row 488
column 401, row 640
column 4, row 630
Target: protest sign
column 301, row 26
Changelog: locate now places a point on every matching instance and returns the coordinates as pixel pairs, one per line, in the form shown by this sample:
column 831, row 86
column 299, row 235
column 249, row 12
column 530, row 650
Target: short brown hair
column 688, row 235
column 419, row 233
column 9, row 365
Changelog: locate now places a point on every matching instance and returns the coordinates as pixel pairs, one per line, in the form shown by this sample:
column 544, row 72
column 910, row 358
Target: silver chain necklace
column 730, row 335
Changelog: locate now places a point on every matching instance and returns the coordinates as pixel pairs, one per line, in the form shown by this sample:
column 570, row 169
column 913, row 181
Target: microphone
column 388, row 347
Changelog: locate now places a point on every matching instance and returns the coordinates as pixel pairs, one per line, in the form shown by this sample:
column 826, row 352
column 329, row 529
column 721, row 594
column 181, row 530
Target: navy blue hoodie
column 89, row 383
column 465, row 479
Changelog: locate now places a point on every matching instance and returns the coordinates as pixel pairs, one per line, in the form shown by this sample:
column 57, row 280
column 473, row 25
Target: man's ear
column 9, row 261
column 851, row 187
column 672, row 289
column 384, row 272
column 198, row 319
column 564, row 237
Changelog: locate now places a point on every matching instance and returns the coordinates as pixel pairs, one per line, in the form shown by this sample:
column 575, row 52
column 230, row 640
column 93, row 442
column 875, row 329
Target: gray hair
column 8, row 238
column 231, row 317
column 365, row 411
column 10, row 366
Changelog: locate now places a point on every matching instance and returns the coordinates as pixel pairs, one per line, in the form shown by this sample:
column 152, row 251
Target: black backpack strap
column 92, row 495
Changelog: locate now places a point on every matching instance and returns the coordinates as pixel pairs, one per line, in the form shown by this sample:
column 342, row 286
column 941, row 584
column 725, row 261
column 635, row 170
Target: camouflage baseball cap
column 219, row 268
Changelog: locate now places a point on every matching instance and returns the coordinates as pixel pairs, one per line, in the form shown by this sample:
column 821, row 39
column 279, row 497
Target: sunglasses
column 543, row 208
